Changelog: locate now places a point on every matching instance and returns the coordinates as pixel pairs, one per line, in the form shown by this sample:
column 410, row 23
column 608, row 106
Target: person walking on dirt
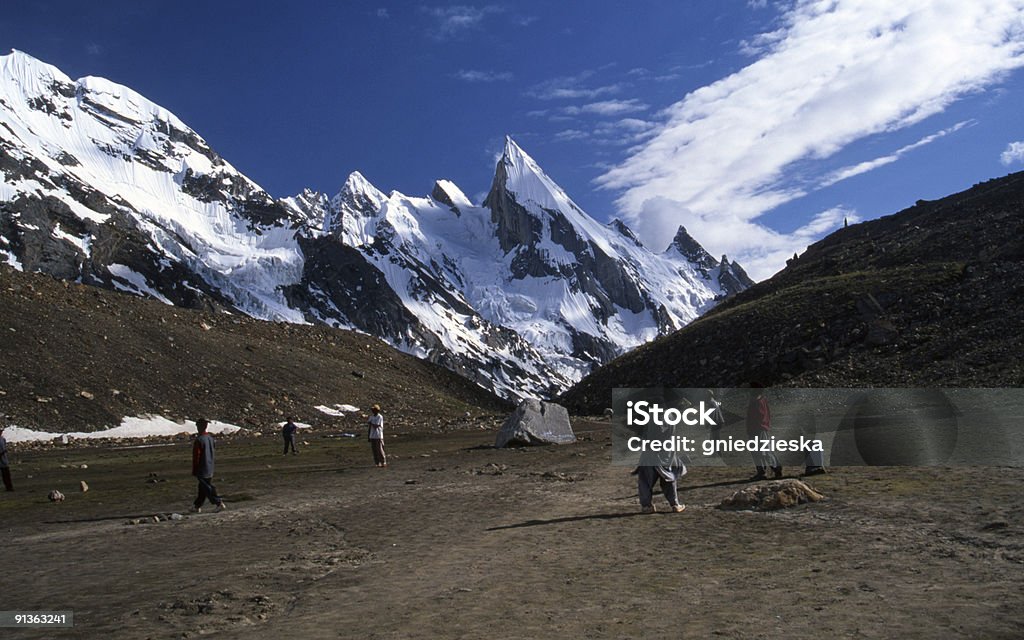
column 375, row 424
column 288, row 432
column 5, row 464
column 202, row 468
column 759, row 421
column 665, row 467
column 668, row 476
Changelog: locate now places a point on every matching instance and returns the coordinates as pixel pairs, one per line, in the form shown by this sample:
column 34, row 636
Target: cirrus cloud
column 835, row 72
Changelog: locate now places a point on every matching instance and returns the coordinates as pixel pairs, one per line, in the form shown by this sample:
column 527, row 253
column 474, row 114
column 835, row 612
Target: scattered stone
column 771, row 496
column 83, row 486
column 412, row 482
column 84, row 466
column 492, row 469
column 536, row 422
column 157, row 518
column 56, row 496
column 87, row 395
column 176, row 516
column 563, row 477
column 134, row 521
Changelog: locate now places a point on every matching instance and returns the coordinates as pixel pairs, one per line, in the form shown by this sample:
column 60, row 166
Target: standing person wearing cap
column 5, row 464
column 376, row 436
column 202, row 468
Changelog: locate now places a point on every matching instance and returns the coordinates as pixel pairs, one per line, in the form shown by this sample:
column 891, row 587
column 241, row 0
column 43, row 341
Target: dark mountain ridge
column 930, row 296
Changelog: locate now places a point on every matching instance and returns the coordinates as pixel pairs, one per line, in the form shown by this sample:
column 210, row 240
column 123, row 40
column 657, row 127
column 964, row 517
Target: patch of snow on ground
column 337, row 410
column 140, row 427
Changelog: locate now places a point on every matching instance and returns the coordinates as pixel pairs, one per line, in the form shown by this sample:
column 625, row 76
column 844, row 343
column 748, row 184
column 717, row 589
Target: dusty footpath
column 458, row 540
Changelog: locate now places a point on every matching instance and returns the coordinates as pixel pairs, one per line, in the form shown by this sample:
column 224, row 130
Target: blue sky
column 759, row 125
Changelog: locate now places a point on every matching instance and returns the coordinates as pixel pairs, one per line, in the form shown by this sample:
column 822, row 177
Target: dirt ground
column 458, row 540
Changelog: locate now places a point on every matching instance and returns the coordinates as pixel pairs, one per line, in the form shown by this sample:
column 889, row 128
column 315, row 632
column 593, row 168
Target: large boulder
column 536, row 422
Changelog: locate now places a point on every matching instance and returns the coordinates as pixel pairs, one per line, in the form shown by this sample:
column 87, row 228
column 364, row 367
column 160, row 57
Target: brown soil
column 458, row 540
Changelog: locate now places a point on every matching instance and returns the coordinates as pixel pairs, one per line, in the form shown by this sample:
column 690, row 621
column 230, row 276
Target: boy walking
column 202, row 468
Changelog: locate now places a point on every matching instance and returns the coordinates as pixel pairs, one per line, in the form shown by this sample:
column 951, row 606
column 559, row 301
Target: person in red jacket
column 759, row 422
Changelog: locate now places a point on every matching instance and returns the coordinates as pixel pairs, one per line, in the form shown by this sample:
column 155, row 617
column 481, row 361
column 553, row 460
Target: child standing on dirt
column 5, row 464
column 375, row 424
column 660, row 467
column 202, row 468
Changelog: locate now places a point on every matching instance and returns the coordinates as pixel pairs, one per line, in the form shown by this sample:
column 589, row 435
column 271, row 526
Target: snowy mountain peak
column 358, row 189
column 685, row 245
column 520, row 174
column 357, row 198
column 33, row 76
column 523, row 294
column 447, row 193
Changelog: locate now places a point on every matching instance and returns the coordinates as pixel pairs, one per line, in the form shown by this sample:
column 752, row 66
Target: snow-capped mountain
column 523, row 293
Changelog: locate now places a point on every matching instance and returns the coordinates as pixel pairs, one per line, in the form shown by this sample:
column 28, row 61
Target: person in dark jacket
column 202, row 468
column 288, row 433
column 5, row 464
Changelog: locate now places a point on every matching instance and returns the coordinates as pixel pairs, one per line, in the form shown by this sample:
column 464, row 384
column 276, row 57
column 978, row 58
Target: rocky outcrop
column 536, row 422
column 771, row 496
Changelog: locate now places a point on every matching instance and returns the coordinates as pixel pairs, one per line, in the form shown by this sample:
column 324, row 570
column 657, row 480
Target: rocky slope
column 80, row 358
column 930, row 296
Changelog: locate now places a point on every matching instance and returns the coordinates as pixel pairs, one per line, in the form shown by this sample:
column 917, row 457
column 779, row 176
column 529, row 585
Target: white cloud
column 1014, row 153
column 571, row 134
column 572, row 88
column 760, row 250
column 836, row 72
column 474, row 75
column 607, row 108
column 864, row 167
column 454, row 20
column 383, row 13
